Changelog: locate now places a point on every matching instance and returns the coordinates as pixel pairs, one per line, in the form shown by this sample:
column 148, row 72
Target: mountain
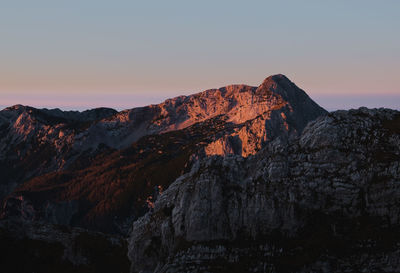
column 326, row 201
column 101, row 169
column 235, row 179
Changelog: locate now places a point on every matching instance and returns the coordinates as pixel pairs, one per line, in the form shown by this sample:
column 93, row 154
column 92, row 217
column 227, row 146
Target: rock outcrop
column 326, row 201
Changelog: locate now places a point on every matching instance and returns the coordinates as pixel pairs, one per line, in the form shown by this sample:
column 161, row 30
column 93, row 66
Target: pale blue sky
column 82, row 54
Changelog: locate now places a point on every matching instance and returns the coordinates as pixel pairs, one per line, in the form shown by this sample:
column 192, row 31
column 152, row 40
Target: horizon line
column 330, row 102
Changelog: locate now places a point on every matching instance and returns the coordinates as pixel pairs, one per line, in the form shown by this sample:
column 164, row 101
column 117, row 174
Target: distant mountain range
column 237, row 177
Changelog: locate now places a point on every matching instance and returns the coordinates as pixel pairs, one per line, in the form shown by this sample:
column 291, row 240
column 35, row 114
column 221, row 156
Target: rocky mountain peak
column 15, row 107
column 277, row 100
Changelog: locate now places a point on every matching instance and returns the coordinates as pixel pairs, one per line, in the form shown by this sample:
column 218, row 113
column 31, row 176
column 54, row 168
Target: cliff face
column 100, row 169
column 326, row 201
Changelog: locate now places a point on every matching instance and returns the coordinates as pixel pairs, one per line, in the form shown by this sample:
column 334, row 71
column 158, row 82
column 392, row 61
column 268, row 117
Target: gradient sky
column 122, row 54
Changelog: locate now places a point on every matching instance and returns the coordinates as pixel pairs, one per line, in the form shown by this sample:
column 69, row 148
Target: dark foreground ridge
column 327, row 201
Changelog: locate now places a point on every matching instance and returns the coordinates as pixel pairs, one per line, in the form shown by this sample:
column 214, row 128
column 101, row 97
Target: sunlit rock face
column 276, row 107
column 97, row 168
column 325, row 201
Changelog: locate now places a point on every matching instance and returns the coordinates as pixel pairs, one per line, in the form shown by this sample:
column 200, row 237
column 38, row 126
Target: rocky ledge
column 326, row 201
